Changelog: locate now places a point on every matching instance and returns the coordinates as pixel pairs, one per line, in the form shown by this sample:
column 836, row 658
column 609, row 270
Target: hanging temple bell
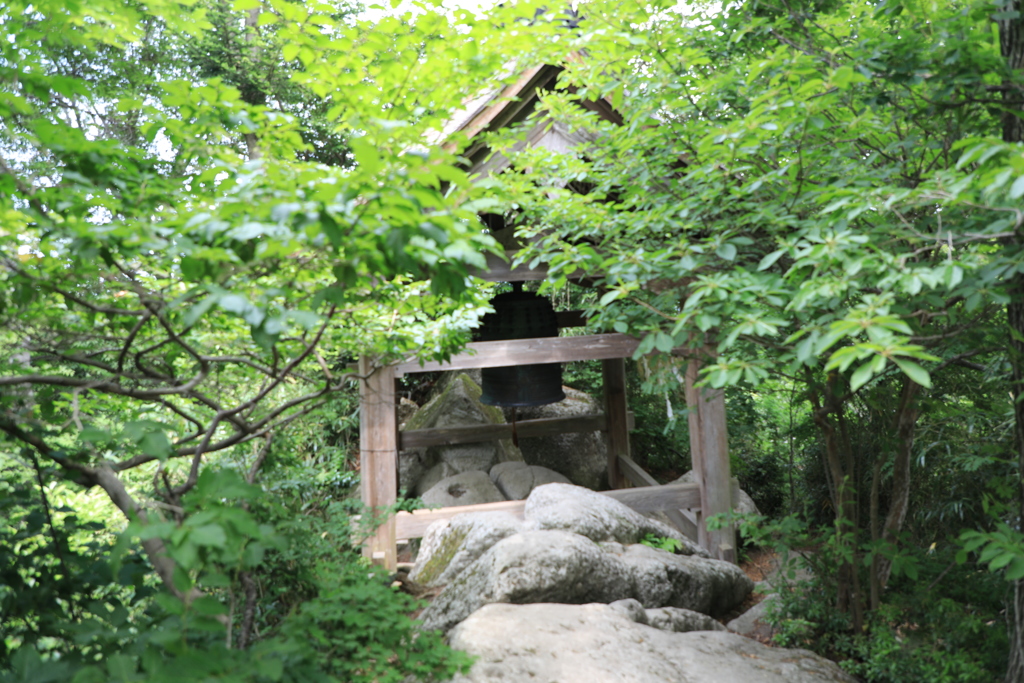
column 520, row 315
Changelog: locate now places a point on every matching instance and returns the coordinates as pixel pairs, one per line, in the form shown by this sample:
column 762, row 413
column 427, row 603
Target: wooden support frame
column 451, row 436
column 614, row 387
column 709, row 448
column 378, row 457
column 497, row 354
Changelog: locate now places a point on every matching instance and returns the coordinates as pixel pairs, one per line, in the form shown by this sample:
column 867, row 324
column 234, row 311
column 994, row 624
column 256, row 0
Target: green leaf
column 861, row 376
column 1017, row 189
column 914, row 372
column 208, row 535
column 769, row 259
column 726, row 251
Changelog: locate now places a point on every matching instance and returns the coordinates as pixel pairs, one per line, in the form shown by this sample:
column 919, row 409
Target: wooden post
column 615, row 410
column 709, row 447
column 378, row 456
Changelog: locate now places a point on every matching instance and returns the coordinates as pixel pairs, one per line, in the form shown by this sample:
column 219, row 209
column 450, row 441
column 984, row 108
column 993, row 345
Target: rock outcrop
column 564, row 567
column 450, row 546
column 597, row 643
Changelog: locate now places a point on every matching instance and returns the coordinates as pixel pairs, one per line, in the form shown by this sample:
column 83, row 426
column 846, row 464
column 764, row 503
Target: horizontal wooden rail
column 450, row 436
column 647, row 499
column 686, row 523
column 497, row 354
column 685, row 520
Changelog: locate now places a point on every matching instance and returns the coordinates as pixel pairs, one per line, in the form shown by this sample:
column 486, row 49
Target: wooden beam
column 615, row 407
column 709, row 448
column 378, row 456
column 686, row 524
column 449, row 436
column 647, row 499
column 497, row 354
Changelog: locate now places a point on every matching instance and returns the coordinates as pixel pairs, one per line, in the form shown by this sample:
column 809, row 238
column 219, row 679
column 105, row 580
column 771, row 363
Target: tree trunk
column 906, row 424
column 828, row 415
column 1011, row 43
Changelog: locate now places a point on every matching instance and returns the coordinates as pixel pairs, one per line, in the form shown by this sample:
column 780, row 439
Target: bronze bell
column 520, row 315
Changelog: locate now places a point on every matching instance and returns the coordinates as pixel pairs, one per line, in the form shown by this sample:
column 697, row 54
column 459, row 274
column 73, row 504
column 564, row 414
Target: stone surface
column 581, row 457
column 679, row 620
column 431, row 477
column 503, row 467
column 467, row 488
column 551, row 643
column 559, row 566
column 457, row 404
column 598, row 517
column 449, row 546
column 663, row 579
column 516, row 483
column 558, row 506
column 745, row 505
column 751, row 623
column 631, row 609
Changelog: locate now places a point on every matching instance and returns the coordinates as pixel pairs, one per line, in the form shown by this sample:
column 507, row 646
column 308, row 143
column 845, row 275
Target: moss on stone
column 442, row 556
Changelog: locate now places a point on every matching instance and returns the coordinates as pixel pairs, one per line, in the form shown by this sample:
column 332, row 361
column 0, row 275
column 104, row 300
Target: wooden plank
column 497, row 354
column 484, row 118
column 615, row 408
column 709, row 448
column 414, row 524
column 378, row 455
column 647, row 499
column 717, row 496
column 696, row 440
column 640, row 477
column 449, row 436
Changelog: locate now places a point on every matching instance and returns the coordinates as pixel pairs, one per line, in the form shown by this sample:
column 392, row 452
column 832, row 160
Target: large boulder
column 456, row 405
column 596, row 516
column 468, row 488
column 451, row 545
column 552, row 506
column 598, row 644
column 559, row 566
column 581, row 457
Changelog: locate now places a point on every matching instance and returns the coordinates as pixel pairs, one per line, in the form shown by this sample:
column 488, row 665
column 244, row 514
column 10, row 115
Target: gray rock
column 598, row 517
column 517, row 483
column 503, row 467
column 631, row 609
column 467, row 457
column 457, row 404
column 559, row 566
column 745, row 505
column 449, row 546
column 581, row 457
column 679, row 620
column 659, row 579
column 536, row 566
column 596, row 644
column 468, row 488
column 412, row 464
column 431, row 477
column 751, row 623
